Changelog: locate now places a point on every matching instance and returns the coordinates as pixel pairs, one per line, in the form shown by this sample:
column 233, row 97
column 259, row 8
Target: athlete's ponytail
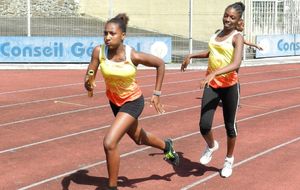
column 121, row 19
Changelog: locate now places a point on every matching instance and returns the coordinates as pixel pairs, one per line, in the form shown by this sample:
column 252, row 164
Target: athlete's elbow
column 160, row 65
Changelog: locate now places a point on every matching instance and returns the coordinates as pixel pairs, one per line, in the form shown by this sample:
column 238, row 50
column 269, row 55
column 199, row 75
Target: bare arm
column 186, row 61
column 152, row 61
column 246, row 42
column 94, row 63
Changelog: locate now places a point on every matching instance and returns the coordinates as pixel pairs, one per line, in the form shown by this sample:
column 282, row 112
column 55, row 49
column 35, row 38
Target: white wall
column 169, row 17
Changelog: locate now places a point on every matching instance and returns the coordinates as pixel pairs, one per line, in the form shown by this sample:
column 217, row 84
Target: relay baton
column 91, row 81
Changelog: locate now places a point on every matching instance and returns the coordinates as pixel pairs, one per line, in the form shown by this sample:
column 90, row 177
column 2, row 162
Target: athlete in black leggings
column 221, row 83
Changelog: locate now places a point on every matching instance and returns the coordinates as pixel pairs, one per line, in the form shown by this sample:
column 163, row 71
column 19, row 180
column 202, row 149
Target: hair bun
column 241, row 5
column 123, row 17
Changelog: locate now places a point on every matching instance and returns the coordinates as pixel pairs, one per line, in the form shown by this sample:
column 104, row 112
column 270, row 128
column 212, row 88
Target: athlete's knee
column 204, row 128
column 109, row 144
column 231, row 130
column 231, row 134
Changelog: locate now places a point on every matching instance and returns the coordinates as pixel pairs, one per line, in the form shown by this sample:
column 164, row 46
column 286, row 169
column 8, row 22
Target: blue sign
column 73, row 49
column 297, row 44
column 277, row 45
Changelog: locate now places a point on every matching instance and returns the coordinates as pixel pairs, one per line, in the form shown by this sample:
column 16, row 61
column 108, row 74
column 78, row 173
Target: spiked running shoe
column 170, row 155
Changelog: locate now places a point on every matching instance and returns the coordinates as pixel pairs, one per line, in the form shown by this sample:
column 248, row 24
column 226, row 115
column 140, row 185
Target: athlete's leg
column 210, row 100
column 230, row 99
column 209, row 105
column 119, row 127
column 141, row 137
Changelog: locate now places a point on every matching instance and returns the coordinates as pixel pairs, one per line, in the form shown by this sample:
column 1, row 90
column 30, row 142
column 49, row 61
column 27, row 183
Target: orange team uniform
column 221, row 55
column 119, row 77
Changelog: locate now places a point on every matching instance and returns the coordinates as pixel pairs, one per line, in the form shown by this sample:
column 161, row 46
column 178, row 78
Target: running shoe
column 227, row 169
column 207, row 154
column 170, row 155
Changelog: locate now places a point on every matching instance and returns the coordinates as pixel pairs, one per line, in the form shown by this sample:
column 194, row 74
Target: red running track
column 51, row 133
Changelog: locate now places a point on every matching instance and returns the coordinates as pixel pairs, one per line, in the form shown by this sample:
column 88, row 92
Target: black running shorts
column 133, row 108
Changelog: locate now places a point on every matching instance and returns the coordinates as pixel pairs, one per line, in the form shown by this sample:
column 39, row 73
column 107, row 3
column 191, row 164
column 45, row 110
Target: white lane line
column 142, row 86
column 242, row 162
column 78, row 110
column 40, row 88
column 82, row 168
column 72, row 84
column 253, row 106
column 84, row 94
column 145, row 148
column 146, row 76
column 146, row 117
column 96, row 107
column 163, row 105
column 271, row 80
column 88, row 131
column 69, row 103
column 189, row 71
column 243, row 119
column 271, row 71
column 271, row 92
column 43, row 100
column 51, row 115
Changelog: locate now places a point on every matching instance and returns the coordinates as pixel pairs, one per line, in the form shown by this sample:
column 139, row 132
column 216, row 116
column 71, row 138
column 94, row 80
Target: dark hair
column 239, row 7
column 121, row 19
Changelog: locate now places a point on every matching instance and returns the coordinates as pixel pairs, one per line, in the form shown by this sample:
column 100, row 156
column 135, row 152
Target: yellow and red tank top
column 119, row 77
column 220, row 55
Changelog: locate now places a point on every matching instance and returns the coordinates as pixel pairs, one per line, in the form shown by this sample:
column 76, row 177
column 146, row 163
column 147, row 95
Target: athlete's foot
column 207, row 154
column 170, row 155
column 227, row 169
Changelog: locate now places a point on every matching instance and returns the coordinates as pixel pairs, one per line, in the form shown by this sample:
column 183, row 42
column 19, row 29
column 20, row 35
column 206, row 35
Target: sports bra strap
column 102, row 53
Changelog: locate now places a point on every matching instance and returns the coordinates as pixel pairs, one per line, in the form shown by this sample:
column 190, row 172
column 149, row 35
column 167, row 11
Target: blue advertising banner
column 276, row 45
column 73, row 49
column 297, row 44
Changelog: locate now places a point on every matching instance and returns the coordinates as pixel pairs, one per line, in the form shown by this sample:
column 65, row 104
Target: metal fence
column 268, row 17
column 275, row 17
column 63, row 19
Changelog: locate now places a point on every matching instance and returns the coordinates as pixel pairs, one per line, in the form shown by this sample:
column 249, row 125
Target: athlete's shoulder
column 237, row 33
column 96, row 51
column 238, row 38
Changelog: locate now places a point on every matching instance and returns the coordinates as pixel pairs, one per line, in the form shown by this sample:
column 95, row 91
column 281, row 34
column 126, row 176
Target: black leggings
column 210, row 100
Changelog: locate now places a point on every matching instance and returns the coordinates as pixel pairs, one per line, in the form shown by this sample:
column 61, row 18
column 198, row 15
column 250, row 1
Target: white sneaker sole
column 226, row 175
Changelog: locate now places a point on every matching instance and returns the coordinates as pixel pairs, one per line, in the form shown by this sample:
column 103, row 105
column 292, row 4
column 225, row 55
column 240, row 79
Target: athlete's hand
column 157, row 105
column 185, row 63
column 89, row 83
column 259, row 48
column 207, row 80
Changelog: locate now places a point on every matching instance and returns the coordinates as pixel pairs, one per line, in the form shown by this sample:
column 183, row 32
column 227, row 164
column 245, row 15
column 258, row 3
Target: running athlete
column 221, row 83
column 118, row 63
